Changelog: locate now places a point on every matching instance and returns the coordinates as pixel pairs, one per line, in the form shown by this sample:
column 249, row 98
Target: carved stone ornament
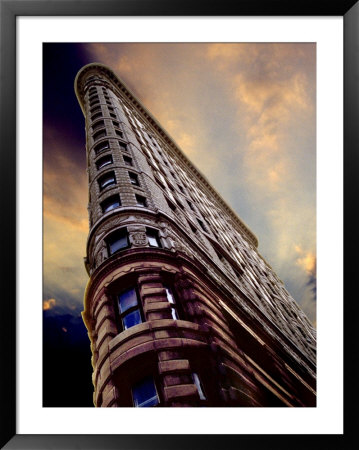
column 139, row 239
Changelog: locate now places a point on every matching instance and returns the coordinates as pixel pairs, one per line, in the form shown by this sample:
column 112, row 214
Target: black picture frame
column 9, row 10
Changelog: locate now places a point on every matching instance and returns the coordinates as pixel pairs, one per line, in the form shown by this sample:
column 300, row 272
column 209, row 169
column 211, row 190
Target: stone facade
column 180, row 307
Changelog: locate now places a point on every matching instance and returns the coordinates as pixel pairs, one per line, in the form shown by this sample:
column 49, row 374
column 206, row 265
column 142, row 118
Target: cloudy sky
column 244, row 114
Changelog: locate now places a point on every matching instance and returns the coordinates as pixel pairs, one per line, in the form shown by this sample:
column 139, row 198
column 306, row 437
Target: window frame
column 202, row 225
column 98, row 125
column 95, row 116
column 99, row 134
column 134, row 179
column 100, row 166
column 94, row 102
column 108, row 200
column 172, row 300
column 127, row 160
column 123, row 146
column 199, row 385
column 144, row 205
column 156, row 235
column 95, row 109
column 118, row 232
column 103, row 177
column 130, row 310
column 155, row 389
column 98, row 148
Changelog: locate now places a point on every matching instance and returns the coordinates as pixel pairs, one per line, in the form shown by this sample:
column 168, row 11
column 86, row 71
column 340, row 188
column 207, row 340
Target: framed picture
column 23, row 280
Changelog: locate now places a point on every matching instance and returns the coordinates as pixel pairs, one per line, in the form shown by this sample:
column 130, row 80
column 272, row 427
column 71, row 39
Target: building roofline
column 137, row 103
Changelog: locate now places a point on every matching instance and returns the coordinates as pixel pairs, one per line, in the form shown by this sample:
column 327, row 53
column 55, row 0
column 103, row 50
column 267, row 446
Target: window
column 98, row 124
column 122, row 146
column 128, row 160
column 193, row 228
column 104, row 161
column 113, row 115
column 153, row 239
column 141, row 201
column 180, row 188
column 110, row 108
column 179, row 204
column 94, row 101
column 144, row 393
column 160, row 183
column 117, row 241
column 198, row 384
column 97, row 108
column 202, row 225
column 133, row 179
column 99, row 134
column 171, row 205
column 119, row 133
column 190, row 205
column 129, row 308
column 115, row 124
column 171, row 300
column 101, row 147
column 107, row 180
column 110, row 203
column 96, row 116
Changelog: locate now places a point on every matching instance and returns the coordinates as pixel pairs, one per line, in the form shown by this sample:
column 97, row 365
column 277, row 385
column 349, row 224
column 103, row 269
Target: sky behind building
column 244, row 114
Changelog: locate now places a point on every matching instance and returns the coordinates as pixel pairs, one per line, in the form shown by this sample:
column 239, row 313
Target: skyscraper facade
column 181, row 309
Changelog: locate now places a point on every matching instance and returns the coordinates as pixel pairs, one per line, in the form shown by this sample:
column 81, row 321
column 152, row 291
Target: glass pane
column 199, row 386
column 107, row 181
column 134, row 179
column 120, row 242
column 127, row 300
column 170, row 296
column 144, row 393
column 112, row 205
column 103, row 146
column 131, row 319
column 174, row 314
column 104, row 162
column 152, row 240
column 141, row 201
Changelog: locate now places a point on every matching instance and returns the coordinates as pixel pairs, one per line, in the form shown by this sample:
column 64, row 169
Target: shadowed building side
column 180, row 307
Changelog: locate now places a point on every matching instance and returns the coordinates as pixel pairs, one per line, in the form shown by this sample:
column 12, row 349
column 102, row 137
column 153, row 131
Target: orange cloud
column 49, row 304
column 306, row 260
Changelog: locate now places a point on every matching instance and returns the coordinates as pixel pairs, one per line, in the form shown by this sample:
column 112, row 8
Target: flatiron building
column 180, row 307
